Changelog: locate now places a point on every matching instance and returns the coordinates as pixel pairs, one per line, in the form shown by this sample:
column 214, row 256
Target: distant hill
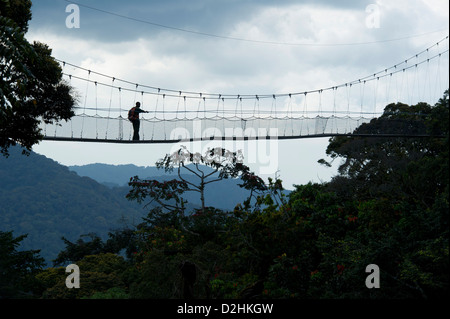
column 115, row 175
column 119, row 175
column 46, row 200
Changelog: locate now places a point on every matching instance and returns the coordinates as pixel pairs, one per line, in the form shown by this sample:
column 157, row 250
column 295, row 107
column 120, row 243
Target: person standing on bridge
column 133, row 116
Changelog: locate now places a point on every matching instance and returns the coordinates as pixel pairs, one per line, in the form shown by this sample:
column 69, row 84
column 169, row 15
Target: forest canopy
column 387, row 206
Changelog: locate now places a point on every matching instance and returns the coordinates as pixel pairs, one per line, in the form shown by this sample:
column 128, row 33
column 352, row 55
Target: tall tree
column 396, row 191
column 213, row 166
column 17, row 10
column 17, row 268
column 31, row 86
column 388, row 165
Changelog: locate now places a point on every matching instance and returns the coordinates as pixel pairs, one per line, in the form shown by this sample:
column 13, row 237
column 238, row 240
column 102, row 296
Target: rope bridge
column 173, row 115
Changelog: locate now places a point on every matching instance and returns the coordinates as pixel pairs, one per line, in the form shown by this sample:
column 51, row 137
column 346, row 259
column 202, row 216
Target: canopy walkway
column 177, row 115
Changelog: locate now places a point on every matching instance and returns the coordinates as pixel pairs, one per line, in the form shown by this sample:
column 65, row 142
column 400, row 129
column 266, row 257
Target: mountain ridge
column 47, row 201
column 117, row 176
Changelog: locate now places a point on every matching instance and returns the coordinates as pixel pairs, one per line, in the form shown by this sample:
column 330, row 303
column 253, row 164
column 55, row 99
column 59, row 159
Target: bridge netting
column 174, row 115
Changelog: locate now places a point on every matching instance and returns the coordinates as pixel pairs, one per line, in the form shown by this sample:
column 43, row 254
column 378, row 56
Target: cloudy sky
column 234, row 47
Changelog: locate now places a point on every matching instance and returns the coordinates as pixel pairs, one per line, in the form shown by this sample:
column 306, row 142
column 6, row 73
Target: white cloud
column 181, row 61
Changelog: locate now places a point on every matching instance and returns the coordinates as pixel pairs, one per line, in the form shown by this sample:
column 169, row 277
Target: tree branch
column 189, row 183
column 182, row 164
column 213, row 180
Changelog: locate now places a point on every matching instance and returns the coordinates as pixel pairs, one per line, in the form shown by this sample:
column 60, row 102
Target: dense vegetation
column 387, row 206
column 31, row 85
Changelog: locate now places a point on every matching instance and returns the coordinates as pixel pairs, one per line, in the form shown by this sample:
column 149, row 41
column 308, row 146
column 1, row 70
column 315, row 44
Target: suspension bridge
column 176, row 115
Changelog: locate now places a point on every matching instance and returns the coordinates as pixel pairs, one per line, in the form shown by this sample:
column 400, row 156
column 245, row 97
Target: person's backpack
column 132, row 115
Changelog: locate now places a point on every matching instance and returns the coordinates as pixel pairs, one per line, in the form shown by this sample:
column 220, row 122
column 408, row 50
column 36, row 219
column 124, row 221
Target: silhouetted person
column 133, row 116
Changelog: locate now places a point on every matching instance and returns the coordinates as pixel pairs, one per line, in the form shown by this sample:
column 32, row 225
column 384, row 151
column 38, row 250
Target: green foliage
column 100, row 275
column 31, row 86
column 18, row 11
column 17, row 268
column 112, row 293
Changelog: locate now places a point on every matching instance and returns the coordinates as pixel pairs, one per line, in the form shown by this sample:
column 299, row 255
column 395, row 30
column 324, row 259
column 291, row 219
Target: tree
column 31, row 85
column 215, row 165
column 18, row 11
column 396, row 190
column 223, row 163
column 120, row 239
column 388, row 165
column 170, row 238
column 17, row 268
column 74, row 252
column 101, row 276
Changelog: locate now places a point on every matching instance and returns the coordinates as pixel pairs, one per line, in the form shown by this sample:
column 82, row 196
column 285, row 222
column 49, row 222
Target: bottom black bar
column 226, row 308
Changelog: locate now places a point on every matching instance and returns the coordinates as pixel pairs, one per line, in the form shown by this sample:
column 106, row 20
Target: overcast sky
column 234, row 47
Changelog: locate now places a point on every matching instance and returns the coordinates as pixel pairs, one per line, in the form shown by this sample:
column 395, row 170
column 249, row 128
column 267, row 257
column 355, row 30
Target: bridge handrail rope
column 257, row 97
column 196, row 95
column 265, row 96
